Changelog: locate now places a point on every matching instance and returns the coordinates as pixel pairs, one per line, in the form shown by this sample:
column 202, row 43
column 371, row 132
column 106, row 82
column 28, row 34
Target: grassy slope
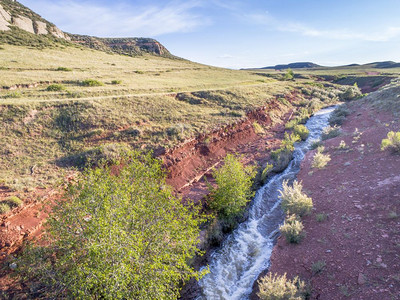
column 43, row 132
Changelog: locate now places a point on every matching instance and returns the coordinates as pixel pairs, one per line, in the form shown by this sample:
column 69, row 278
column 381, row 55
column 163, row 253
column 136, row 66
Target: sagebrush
column 294, row 201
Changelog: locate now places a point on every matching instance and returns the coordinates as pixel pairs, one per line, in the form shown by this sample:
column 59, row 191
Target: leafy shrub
column 301, row 131
column 116, row 81
column 265, row 173
column 339, row 115
column 392, row 142
column 124, row 236
column 258, row 129
column 294, row 201
column 4, row 208
column 274, row 287
column 234, row 182
column 320, row 160
column 342, row 145
column 330, row 132
column 292, row 229
column 91, row 82
column 55, row 88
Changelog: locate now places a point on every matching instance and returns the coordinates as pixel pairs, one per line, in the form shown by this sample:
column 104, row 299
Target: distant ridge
column 310, row 65
column 296, row 65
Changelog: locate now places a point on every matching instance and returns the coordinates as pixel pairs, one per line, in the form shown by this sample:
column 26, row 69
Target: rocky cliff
column 14, row 14
column 21, row 26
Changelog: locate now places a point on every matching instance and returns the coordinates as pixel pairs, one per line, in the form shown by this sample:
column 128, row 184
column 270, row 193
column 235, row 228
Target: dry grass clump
column 320, row 160
column 294, row 201
column 275, row 287
column 258, row 128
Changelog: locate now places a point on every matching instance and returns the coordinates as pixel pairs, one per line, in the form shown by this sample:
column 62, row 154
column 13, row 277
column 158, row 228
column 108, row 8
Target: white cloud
column 88, row 17
column 384, row 35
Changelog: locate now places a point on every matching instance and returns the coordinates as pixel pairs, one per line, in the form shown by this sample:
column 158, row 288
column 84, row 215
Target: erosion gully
column 246, row 252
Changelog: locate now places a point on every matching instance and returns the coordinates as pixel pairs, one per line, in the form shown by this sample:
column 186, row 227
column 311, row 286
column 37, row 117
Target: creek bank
column 359, row 193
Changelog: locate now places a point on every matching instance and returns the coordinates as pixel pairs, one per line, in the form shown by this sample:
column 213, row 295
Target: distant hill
column 127, row 46
column 21, row 26
column 297, row 65
column 310, row 65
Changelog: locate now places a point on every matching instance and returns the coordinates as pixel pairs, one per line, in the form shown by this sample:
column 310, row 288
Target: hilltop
column 21, row 26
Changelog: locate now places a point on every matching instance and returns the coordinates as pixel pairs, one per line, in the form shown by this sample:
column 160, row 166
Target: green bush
column 301, row 131
column 289, row 75
column 14, row 201
column 234, row 187
column 274, row 287
column 339, row 115
column 116, row 81
column 320, row 160
column 283, row 155
column 4, row 208
column 124, row 236
column 315, row 144
column 55, row 88
column 294, row 201
column 351, row 93
column 318, row 267
column 392, row 142
column 292, row 229
column 91, row 82
column 266, row 172
column 330, row 132
column 321, row 217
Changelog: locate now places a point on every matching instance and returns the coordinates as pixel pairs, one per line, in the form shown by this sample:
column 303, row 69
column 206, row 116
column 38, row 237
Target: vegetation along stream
column 246, row 252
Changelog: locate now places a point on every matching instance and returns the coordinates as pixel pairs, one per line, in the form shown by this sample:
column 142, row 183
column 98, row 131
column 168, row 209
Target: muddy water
column 246, row 252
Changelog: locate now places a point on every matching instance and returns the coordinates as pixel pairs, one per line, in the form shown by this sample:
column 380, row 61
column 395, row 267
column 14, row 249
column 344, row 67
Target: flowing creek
column 246, row 252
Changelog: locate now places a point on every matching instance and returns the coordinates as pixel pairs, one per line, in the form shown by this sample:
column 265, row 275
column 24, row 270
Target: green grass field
column 77, row 111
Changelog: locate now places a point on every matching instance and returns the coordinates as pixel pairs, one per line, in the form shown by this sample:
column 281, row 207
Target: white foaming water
column 246, row 252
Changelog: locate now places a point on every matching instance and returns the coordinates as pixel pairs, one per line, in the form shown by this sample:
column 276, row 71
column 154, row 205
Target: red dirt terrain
column 359, row 192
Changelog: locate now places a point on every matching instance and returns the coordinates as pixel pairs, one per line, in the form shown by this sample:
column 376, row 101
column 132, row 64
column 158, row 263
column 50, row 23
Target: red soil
column 359, row 190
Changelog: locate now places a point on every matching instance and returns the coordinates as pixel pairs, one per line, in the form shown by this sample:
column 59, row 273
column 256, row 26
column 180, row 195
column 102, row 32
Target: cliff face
column 19, row 22
column 127, row 46
column 15, row 14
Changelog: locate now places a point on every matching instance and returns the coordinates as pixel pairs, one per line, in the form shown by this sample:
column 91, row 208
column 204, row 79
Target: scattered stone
column 13, row 266
column 328, row 251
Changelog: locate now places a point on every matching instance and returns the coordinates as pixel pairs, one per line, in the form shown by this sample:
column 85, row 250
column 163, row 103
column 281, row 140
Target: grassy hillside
column 90, row 104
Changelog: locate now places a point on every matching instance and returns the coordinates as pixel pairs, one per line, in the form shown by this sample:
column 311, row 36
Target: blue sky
column 240, row 34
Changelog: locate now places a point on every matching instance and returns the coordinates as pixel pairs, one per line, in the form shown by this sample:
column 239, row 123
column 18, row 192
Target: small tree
column 289, row 74
column 116, row 237
column 234, row 183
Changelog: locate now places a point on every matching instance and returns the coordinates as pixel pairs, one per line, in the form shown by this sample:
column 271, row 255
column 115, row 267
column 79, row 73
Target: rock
column 361, row 279
column 13, row 266
column 41, row 28
column 24, row 23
